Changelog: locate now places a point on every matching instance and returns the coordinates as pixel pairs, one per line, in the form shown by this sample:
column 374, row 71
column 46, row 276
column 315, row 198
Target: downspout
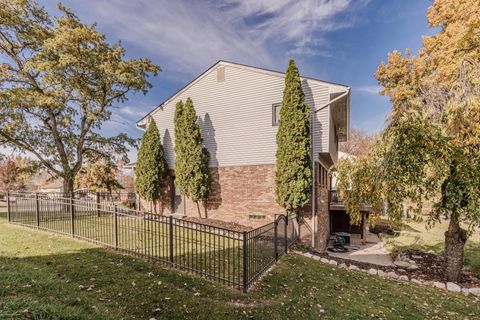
column 312, row 141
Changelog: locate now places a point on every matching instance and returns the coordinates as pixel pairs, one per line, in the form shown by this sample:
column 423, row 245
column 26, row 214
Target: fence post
column 9, row 213
column 97, row 195
column 115, row 225
column 275, row 249
column 286, row 233
column 37, row 210
column 170, row 220
column 72, row 214
column 245, row 262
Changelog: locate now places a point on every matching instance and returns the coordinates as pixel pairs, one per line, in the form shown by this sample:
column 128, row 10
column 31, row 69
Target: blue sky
column 338, row 40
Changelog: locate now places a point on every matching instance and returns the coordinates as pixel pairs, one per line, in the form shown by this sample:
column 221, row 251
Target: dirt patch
column 232, row 226
column 430, row 268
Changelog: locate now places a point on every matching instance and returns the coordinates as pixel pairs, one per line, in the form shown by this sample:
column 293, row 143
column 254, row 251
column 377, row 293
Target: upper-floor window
column 276, row 113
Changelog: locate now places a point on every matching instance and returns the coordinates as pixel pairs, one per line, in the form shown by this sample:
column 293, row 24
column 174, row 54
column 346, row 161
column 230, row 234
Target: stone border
column 449, row 286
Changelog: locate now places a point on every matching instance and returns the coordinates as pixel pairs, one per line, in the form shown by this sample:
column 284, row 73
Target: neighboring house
column 238, row 108
column 52, row 187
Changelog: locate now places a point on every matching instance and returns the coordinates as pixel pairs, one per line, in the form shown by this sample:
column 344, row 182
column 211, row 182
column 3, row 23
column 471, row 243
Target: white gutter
column 312, row 140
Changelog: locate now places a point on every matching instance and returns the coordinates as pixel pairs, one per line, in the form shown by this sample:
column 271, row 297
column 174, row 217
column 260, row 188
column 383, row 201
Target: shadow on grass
column 95, row 284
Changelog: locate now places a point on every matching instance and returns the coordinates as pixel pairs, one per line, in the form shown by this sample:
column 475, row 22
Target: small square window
column 276, row 113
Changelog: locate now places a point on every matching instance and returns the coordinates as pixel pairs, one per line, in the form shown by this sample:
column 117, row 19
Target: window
column 276, row 113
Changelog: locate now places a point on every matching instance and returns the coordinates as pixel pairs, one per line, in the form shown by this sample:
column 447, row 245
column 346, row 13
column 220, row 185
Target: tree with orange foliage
column 430, row 148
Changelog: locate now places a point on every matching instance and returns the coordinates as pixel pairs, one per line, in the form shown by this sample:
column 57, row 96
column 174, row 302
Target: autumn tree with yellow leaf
column 430, row 149
column 59, row 81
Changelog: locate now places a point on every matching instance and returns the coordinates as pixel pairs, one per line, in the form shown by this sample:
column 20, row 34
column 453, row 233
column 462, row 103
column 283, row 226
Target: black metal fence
column 231, row 257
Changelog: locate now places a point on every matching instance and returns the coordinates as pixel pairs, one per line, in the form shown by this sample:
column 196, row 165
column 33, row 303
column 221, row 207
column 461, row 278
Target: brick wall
column 246, row 195
column 242, row 194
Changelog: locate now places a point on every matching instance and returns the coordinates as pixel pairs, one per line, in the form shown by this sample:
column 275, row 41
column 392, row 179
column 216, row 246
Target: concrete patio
column 372, row 252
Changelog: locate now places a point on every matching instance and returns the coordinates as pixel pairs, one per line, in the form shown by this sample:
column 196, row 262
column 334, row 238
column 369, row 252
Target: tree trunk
column 68, row 185
column 364, row 228
column 198, row 208
column 455, row 238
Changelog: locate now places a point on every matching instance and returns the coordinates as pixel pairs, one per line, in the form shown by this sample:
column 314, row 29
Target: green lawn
column 46, row 276
column 415, row 235
column 210, row 251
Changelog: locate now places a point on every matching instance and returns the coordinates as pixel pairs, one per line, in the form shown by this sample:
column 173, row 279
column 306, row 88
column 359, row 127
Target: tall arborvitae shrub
column 151, row 167
column 180, row 142
column 294, row 174
column 191, row 157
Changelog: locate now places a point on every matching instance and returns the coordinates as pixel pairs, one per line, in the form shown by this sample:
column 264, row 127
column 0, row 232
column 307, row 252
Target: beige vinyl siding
column 236, row 116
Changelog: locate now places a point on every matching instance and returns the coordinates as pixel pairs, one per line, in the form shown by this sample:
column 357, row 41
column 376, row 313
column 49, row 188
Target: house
column 55, row 186
column 238, row 108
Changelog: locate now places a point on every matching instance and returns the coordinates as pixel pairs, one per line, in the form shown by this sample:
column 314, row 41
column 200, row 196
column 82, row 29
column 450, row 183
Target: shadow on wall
column 168, row 149
column 208, row 135
column 317, row 126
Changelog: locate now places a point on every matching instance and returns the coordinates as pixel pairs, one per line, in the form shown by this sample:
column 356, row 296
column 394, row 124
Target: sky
column 341, row 41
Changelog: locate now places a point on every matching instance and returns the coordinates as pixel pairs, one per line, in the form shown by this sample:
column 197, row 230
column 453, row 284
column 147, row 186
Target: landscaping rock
column 316, row 258
column 333, row 262
column 392, row 275
column 354, row 267
column 342, row 265
column 382, row 273
column 474, row 291
column 428, row 283
column 465, row 291
column 453, row 287
column 403, row 278
column 414, row 256
column 372, row 271
column 402, row 264
column 324, row 260
column 440, row 285
column 308, row 255
column 416, row 281
column 412, row 267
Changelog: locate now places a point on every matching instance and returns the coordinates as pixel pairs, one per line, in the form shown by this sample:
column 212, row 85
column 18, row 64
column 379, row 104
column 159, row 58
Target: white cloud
column 188, row 36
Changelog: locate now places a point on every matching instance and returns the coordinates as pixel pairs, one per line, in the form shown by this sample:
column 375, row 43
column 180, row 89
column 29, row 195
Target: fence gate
column 285, row 233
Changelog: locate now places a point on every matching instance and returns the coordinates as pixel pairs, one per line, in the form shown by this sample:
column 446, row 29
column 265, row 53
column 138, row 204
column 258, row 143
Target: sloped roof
column 339, row 87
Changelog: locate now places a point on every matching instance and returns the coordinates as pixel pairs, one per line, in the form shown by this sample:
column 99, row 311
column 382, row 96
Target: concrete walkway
column 373, row 252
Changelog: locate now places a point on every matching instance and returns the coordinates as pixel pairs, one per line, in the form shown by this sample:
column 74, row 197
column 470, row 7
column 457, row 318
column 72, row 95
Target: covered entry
column 340, row 222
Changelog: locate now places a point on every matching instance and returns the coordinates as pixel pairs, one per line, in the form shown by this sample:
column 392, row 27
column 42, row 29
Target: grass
column 46, row 276
column 415, row 235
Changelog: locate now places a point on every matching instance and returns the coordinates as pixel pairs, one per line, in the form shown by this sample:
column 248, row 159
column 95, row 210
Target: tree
column 192, row 176
column 293, row 178
column 151, row 167
column 59, row 80
column 16, row 172
column 98, row 177
column 430, row 149
column 359, row 142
